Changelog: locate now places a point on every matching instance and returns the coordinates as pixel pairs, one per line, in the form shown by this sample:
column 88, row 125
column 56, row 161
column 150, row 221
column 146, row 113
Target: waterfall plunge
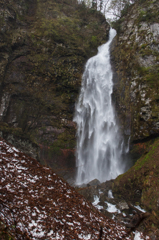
column 99, row 146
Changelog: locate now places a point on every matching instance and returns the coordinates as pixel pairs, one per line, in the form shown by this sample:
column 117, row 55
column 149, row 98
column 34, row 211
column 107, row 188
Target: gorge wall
column 135, row 56
column 135, row 59
column 44, row 45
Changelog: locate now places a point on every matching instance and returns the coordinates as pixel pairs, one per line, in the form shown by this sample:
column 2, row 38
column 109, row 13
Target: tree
column 116, row 7
column 94, row 4
column 101, row 5
column 112, row 9
column 88, row 3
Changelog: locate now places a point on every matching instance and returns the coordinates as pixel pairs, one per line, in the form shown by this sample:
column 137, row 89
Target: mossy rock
column 140, row 183
column 135, row 62
column 44, row 46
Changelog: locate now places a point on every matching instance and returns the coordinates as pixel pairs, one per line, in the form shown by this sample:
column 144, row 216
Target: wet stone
column 94, row 182
column 122, row 205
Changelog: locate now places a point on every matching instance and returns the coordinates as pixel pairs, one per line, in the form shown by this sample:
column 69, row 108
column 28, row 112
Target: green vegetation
column 143, row 178
column 136, row 56
column 47, row 44
column 144, row 159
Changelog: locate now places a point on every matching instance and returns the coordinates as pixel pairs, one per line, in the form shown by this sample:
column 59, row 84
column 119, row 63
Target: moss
column 94, row 40
column 132, row 53
column 54, row 151
column 143, row 177
column 47, row 47
column 149, row 16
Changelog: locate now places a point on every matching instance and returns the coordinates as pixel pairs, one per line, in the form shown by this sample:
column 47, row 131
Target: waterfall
column 99, row 145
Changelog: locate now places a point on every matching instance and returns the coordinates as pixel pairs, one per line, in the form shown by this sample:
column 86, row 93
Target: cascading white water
column 99, row 146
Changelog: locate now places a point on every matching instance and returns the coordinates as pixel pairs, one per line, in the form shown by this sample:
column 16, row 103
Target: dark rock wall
column 44, row 45
column 135, row 58
column 135, row 61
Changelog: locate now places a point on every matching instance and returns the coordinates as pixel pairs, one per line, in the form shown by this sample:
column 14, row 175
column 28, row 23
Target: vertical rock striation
column 135, row 55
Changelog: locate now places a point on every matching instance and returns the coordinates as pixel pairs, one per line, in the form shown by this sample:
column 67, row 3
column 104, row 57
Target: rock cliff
column 135, row 58
column 135, row 55
column 44, row 45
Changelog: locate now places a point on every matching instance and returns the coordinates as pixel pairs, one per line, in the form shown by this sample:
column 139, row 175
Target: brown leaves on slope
column 37, row 204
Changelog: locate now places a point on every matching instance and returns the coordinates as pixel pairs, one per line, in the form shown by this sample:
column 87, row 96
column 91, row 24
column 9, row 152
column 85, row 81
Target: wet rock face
column 118, row 207
column 135, row 56
column 44, row 46
column 96, row 189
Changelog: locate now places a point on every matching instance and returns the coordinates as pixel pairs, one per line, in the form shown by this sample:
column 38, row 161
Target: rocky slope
column 44, row 45
column 140, row 185
column 37, row 204
column 119, row 207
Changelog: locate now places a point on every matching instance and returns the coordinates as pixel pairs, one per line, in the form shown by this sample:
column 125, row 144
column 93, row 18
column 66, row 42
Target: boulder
column 94, row 182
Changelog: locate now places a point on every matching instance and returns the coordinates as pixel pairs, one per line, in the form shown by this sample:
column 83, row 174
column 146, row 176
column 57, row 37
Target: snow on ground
column 113, row 209
column 138, row 236
column 37, row 204
column 95, row 203
column 141, row 209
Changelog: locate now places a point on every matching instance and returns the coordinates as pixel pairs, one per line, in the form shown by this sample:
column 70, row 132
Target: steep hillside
column 43, row 47
column 36, row 204
column 140, row 184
